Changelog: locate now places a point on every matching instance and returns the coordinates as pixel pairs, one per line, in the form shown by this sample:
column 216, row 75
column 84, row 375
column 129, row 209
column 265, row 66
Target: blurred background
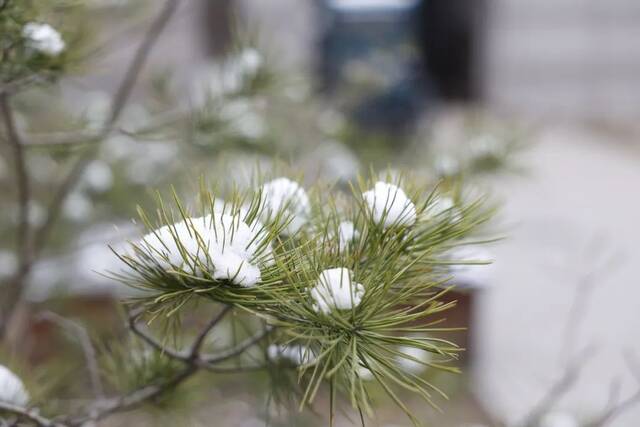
column 537, row 103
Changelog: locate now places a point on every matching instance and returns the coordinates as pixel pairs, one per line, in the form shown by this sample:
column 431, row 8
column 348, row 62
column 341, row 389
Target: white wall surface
column 578, row 209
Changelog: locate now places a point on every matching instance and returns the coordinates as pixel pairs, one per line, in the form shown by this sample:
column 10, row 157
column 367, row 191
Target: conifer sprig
column 354, row 287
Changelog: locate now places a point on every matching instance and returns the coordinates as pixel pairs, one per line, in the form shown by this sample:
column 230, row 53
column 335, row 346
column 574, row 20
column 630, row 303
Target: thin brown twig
column 86, row 136
column 193, row 356
column 197, row 343
column 239, row 348
column 131, row 76
column 23, row 239
column 80, row 333
column 23, row 183
column 151, row 341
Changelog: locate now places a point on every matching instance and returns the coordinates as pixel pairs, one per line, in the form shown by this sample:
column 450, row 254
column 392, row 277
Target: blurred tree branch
column 23, row 236
column 192, row 363
column 102, row 407
column 30, row 415
column 30, row 248
column 616, row 409
column 79, row 332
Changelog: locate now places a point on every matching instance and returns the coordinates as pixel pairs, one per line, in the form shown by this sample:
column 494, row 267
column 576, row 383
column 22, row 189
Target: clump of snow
column 408, row 364
column 336, row 290
column 389, row 205
column 43, row 38
column 293, row 353
column 222, row 243
column 284, row 195
column 12, row 390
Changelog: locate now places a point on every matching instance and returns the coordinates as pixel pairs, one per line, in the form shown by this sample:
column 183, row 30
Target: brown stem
column 151, row 341
column 197, row 343
column 16, row 285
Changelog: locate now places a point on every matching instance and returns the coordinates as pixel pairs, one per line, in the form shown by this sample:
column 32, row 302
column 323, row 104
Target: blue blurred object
column 372, row 62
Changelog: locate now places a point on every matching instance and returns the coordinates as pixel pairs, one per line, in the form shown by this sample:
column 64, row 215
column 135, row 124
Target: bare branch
column 64, row 138
column 14, row 86
column 28, row 415
column 124, row 91
column 80, row 333
column 236, row 369
column 151, row 341
column 237, row 349
column 559, row 388
column 118, row 103
column 585, row 288
column 89, row 136
column 22, row 177
column 617, row 409
column 197, row 343
column 192, row 364
column 103, row 408
column 30, row 250
column 15, row 289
